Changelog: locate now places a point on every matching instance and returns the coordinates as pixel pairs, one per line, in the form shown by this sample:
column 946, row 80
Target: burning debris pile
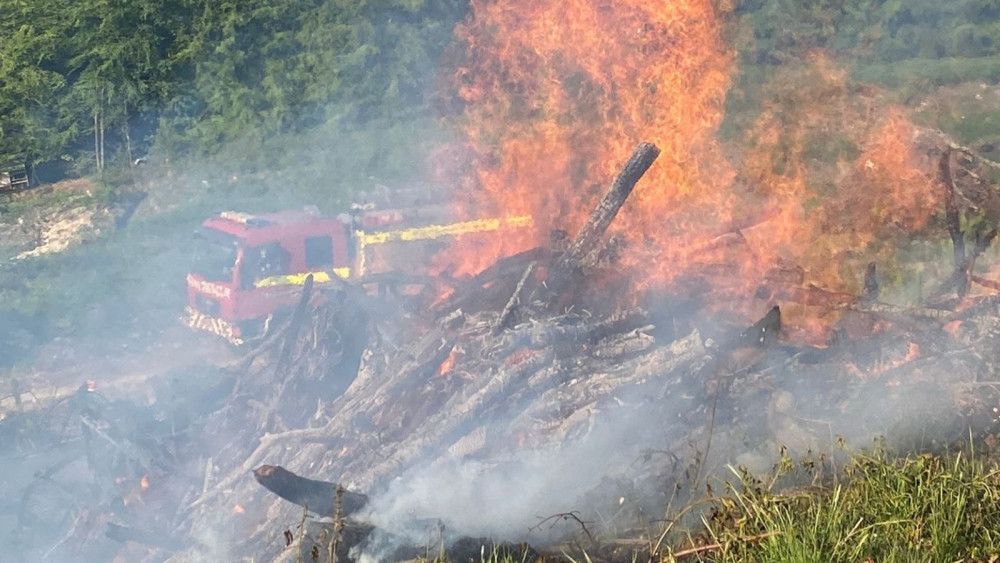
column 103, row 470
column 537, row 389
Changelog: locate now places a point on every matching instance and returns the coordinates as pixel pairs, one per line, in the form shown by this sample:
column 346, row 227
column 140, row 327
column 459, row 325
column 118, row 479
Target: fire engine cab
column 247, row 267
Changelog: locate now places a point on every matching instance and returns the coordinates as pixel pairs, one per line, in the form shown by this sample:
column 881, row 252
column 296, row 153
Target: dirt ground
column 119, row 369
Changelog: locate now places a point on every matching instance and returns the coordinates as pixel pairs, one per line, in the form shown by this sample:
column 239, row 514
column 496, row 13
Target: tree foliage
column 870, row 31
column 911, row 46
column 87, row 81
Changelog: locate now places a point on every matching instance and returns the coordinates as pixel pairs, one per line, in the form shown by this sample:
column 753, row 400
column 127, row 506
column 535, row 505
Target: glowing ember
column 448, row 362
column 519, row 356
column 952, row 327
column 134, row 495
column 238, row 509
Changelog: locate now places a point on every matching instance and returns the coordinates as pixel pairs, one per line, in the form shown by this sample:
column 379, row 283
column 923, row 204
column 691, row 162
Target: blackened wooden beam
column 602, row 216
column 319, row 497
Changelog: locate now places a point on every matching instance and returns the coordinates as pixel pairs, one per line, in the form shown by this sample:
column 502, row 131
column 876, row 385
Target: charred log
column 871, row 286
column 602, row 216
column 298, row 317
column 491, row 288
column 318, row 497
column 813, row 296
column 764, row 332
column 515, row 300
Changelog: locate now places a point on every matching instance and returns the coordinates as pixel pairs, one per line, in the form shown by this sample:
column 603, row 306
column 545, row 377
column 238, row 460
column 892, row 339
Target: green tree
column 121, row 66
column 269, row 67
column 75, row 75
column 79, row 81
column 30, row 79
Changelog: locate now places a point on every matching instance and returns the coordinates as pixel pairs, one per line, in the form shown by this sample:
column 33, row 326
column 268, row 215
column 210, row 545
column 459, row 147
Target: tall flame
column 848, row 185
column 556, row 95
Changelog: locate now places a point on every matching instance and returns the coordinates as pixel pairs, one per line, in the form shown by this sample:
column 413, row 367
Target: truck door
column 265, row 287
column 263, row 263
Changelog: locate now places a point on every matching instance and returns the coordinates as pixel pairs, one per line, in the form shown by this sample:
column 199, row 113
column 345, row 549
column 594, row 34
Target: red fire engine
column 248, row 267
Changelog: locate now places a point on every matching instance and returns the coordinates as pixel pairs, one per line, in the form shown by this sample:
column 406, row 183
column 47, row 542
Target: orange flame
column 557, row 94
column 448, row 362
column 848, row 184
column 912, row 354
column 134, row 495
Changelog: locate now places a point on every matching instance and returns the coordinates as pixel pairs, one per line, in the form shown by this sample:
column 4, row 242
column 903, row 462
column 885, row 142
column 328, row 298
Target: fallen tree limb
column 253, row 459
column 985, row 282
column 541, row 335
column 515, row 299
column 125, row 446
column 602, row 216
column 318, row 497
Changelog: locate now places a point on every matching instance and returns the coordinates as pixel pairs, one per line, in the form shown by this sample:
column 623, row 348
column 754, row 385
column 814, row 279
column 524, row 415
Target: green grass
column 920, row 508
column 13, row 206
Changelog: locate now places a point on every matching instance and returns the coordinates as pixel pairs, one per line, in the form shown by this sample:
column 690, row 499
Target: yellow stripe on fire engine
column 322, row 276
column 451, row 229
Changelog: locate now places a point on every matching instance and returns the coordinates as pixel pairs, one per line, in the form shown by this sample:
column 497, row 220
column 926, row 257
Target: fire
column 448, row 362
column 882, row 194
column 901, row 188
column 912, row 354
column 870, row 205
column 134, row 495
column 556, row 95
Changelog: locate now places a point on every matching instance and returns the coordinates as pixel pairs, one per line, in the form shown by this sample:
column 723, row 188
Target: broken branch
column 602, row 216
column 319, row 497
column 515, row 299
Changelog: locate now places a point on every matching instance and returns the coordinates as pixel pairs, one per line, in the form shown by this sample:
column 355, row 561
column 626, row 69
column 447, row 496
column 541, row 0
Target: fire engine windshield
column 215, row 255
